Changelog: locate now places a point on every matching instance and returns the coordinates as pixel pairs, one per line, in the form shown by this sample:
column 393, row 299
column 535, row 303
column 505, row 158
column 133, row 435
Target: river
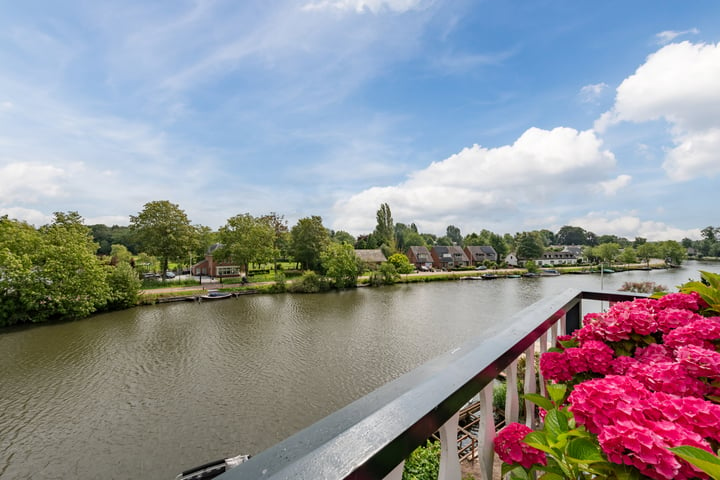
column 148, row 392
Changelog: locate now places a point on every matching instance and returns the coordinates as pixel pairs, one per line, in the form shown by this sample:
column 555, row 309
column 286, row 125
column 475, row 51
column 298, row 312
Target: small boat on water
column 530, row 275
column 489, row 276
column 215, row 295
column 512, row 275
column 549, row 272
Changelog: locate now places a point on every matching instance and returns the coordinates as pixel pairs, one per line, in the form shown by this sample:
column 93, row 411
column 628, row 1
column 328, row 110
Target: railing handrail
column 371, row 436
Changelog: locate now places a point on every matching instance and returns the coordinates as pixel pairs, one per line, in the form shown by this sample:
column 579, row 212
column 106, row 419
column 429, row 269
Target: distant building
column 420, row 257
column 478, row 254
column 449, row 257
column 209, row 267
column 372, row 257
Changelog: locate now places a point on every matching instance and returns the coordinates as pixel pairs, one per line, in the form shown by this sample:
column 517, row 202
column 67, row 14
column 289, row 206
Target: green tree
column 529, row 246
column 120, row 254
column 672, row 251
column 453, row 233
column 607, row 252
column 308, row 239
column 246, row 239
column 342, row 236
column 341, row 264
column 124, row 286
column 646, row 251
column 385, row 228
column 569, row 235
column 19, row 289
column 628, row 255
column 401, row 263
column 162, row 229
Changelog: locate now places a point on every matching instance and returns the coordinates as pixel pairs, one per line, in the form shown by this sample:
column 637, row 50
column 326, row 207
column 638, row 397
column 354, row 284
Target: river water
column 148, row 392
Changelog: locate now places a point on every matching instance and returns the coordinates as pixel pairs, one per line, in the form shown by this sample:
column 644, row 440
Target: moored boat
column 215, row 295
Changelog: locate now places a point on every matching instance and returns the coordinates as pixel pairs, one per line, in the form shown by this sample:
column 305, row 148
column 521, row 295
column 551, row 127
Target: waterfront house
column 211, row 268
column 479, row 254
column 449, row 257
column 511, row 259
column 420, row 257
column 373, row 258
column 554, row 257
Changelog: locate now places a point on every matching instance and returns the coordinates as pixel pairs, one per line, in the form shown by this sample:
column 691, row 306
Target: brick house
column 478, row 254
column 209, row 267
column 420, row 257
column 449, row 257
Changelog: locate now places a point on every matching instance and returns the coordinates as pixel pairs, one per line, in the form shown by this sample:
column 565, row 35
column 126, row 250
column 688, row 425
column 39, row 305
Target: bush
column 310, row 282
column 423, row 463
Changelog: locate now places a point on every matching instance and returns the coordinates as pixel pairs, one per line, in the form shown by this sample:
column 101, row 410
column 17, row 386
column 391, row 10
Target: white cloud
column 631, row 226
column 591, row 93
column 668, row 36
column 33, row 217
column 611, row 187
column 360, row 6
column 29, row 182
column 479, row 182
column 678, row 84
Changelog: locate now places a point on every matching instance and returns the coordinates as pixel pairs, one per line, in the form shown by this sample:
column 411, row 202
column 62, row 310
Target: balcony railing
column 372, row 437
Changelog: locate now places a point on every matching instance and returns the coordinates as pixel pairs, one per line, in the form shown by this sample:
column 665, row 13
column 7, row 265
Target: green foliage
column 246, row 239
column 308, row 239
column 423, row 463
column 124, row 287
column 531, row 266
column 388, row 273
column 401, row 263
column 385, row 228
column 162, row 229
column 341, row 264
column 702, row 459
column 708, row 289
column 529, row 246
column 310, row 282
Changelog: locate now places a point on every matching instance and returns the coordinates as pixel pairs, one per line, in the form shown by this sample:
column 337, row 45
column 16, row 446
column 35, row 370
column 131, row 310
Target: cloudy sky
column 499, row 114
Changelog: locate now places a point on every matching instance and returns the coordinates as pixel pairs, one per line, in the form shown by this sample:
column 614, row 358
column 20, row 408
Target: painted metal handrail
column 371, row 437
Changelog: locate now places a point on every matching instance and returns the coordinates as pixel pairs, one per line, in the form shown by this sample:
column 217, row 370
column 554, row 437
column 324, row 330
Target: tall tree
column 569, row 235
column 385, row 229
column 341, row 264
column 453, row 233
column 164, row 230
column 529, row 246
column 246, row 239
column 308, row 239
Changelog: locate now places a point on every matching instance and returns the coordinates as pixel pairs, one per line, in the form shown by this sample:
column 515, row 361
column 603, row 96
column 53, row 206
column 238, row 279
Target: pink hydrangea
column 682, row 301
column 598, row 356
column 654, row 353
column 696, row 414
column 671, row 318
column 511, row 448
column 620, row 365
column 603, row 401
column 699, row 361
column 644, row 445
column 554, row 366
column 702, row 332
column 668, row 377
column 637, row 316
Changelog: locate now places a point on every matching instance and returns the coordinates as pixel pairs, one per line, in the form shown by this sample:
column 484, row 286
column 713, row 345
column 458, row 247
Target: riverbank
column 186, row 293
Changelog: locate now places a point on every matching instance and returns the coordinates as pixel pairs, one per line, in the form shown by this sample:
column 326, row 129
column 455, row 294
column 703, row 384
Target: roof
column 371, row 255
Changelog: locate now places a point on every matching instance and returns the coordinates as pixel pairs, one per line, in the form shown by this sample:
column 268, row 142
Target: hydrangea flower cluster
column 641, row 374
column 511, row 449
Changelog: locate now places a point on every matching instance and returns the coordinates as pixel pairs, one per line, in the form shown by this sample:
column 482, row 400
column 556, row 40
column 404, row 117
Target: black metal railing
column 371, row 437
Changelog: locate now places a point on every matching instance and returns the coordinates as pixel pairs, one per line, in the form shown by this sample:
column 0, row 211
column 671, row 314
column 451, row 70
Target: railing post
column 543, row 349
column 512, row 396
column 397, row 472
column 572, row 319
column 530, row 385
column 449, row 461
column 486, row 433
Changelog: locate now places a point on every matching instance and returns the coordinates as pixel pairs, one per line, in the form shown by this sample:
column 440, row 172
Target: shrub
column 423, row 463
column 310, row 282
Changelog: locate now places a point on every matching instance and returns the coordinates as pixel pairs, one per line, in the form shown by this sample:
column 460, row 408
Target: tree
column 498, row 243
column 569, row 235
column 528, row 246
column 628, row 255
column 453, row 233
column 281, row 239
column 385, row 229
column 124, row 286
column 120, row 254
column 246, row 239
column 341, row 264
column 608, row 252
column 163, row 230
column 308, row 239
column 672, row 251
column 401, row 263
column 342, row 236
column 646, row 251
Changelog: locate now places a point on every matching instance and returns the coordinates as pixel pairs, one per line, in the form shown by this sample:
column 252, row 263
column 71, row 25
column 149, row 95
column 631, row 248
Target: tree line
column 67, row 270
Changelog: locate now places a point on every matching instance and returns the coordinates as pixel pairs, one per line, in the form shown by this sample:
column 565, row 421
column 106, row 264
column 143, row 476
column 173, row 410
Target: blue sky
column 503, row 115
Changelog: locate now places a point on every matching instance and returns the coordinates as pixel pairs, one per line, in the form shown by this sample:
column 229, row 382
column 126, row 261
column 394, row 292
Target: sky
column 502, row 115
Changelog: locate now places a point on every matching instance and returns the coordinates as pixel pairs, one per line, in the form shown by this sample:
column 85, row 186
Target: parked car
column 481, row 267
column 169, row 274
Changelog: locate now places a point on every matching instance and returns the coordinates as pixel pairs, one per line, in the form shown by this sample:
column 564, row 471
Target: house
column 420, row 257
column 511, row 259
column 553, row 257
column 371, row 257
column 449, row 257
column 478, row 254
column 209, row 267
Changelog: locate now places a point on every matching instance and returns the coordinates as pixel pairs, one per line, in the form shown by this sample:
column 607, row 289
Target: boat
column 530, row 275
column 215, row 295
column 549, row 272
column 512, row 275
column 489, row 276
